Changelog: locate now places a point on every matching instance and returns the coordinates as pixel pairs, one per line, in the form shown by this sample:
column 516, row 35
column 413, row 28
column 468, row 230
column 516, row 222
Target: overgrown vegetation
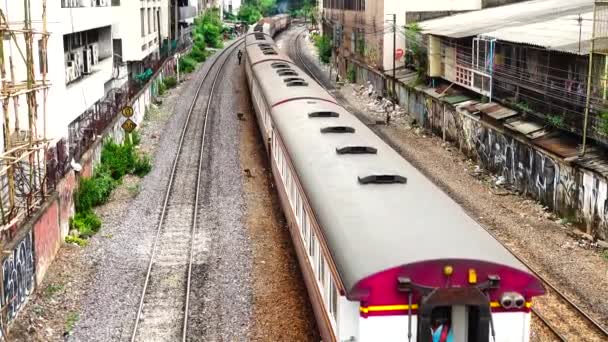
column 253, row 10
column 249, row 13
column 170, row 82
column 352, row 74
column 323, row 45
column 556, row 121
column 416, row 51
column 306, row 11
column 117, row 160
column 73, row 318
column 605, row 254
column 207, row 32
column 604, row 123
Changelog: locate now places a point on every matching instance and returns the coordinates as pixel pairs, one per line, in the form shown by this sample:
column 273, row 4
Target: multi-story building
column 78, row 63
column 138, row 30
column 362, row 30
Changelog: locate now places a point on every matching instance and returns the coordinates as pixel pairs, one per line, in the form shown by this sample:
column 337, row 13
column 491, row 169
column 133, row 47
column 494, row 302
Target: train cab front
column 447, row 300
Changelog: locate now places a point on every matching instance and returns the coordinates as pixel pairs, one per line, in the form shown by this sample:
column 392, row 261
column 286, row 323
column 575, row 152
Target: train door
column 454, row 314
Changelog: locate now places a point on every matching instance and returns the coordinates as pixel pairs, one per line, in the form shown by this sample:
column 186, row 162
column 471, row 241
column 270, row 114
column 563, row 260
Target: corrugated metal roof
column 511, row 16
column 561, row 34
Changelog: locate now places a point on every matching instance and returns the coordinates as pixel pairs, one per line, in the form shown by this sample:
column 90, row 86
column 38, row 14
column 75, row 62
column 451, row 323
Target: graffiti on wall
column 568, row 190
column 18, row 276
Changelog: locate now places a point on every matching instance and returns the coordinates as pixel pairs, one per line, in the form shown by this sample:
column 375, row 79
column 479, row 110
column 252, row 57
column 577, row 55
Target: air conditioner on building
column 94, row 53
column 69, row 73
column 88, row 61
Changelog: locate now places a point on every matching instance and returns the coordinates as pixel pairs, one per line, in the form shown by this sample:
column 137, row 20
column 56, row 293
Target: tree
column 249, row 13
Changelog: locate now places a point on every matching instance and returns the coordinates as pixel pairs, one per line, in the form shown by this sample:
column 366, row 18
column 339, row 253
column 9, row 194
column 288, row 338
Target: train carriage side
column 383, row 251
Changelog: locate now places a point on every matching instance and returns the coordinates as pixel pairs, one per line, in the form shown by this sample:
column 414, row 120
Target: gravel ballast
column 246, row 283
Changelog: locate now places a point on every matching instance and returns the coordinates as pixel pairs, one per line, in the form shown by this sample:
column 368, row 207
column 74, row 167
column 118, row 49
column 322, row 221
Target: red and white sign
column 399, row 53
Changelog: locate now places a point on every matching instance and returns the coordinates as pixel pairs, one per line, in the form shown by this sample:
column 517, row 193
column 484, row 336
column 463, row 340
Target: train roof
column 373, row 227
column 277, row 73
column 257, row 38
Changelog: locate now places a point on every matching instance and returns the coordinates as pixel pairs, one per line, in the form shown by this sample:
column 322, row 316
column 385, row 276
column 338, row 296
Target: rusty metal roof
column 560, row 144
column 551, row 24
column 496, row 111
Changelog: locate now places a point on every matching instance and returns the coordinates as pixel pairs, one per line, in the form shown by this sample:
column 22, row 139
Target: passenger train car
column 385, row 254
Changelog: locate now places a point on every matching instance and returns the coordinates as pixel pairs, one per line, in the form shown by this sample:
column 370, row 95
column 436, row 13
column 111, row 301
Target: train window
column 311, row 245
column 333, row 300
column 298, row 208
column 297, row 84
column 321, row 274
column 304, row 225
column 356, row 150
column 323, row 115
column 293, row 190
column 269, row 53
column 337, row 129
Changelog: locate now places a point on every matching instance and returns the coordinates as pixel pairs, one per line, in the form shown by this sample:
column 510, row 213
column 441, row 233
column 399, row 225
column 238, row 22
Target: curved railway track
column 165, row 297
column 565, row 320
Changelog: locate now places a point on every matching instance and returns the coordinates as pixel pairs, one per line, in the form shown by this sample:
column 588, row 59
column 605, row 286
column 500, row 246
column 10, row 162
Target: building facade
column 363, row 31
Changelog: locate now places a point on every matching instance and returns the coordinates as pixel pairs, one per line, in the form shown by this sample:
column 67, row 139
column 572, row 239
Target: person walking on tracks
column 239, row 55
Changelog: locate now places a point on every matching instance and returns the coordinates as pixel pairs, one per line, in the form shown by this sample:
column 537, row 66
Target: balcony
column 85, row 3
column 85, row 17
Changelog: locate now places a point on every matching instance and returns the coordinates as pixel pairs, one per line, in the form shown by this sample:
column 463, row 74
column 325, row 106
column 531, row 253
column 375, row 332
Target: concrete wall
column 568, row 189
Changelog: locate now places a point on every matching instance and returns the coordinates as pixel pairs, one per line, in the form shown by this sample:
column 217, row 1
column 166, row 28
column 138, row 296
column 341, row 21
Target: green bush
column 197, row 54
column 323, row 45
column 87, row 223
column 142, row 166
column 187, row 64
column 119, row 159
column 249, row 13
column 94, row 191
column 170, row 82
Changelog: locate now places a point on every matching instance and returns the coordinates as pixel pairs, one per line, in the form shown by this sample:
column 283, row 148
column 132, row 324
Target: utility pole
column 394, row 57
column 589, row 79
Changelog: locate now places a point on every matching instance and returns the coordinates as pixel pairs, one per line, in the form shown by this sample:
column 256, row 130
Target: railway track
column 565, row 320
column 165, row 298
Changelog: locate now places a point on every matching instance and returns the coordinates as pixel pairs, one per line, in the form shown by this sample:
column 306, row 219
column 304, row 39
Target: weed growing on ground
column 605, row 254
column 134, row 189
column 52, row 289
column 162, row 88
column 76, row 240
column 73, row 318
column 38, row 310
column 117, row 160
column 170, row 82
column 136, row 138
column 142, row 166
column 86, row 223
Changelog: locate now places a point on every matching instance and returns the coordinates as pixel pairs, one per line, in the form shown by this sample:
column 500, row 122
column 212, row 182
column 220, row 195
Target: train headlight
column 506, row 301
column 512, row 300
column 519, row 301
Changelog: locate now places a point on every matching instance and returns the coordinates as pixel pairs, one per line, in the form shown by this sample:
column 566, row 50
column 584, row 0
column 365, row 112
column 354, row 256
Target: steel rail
column 169, row 187
column 549, row 325
column 562, row 295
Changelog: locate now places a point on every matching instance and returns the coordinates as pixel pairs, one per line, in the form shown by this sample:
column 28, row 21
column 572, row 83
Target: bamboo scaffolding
column 22, row 160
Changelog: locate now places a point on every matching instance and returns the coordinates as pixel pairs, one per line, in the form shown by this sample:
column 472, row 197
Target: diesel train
column 385, row 254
